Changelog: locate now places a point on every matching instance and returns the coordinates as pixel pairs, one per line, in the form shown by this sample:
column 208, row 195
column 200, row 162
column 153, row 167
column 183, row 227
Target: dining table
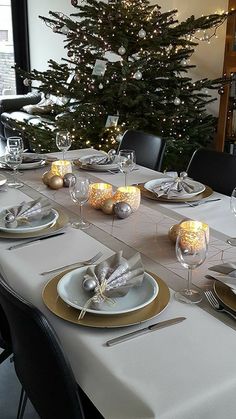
column 184, row 371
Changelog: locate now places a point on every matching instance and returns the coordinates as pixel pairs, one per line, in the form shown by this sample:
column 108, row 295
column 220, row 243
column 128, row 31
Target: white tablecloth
column 181, row 372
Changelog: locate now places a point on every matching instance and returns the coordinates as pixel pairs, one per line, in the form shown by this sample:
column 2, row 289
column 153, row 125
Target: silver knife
column 35, row 239
column 151, row 328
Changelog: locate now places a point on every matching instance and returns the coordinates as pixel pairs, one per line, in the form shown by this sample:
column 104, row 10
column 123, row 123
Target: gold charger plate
column 62, row 220
column 66, row 312
column 225, row 295
column 148, row 194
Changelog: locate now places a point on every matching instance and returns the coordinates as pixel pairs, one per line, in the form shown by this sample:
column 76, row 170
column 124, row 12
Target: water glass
column 79, row 193
column 63, row 142
column 15, row 143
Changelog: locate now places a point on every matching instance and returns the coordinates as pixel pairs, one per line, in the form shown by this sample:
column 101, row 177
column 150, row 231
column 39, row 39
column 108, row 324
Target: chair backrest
column 213, row 168
column 149, row 148
column 5, row 337
column 40, row 363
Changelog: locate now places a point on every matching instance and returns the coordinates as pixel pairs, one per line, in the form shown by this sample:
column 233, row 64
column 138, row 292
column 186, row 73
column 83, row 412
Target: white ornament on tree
column 100, row 86
column 122, row 50
column 177, row 101
column 142, row 33
column 138, row 75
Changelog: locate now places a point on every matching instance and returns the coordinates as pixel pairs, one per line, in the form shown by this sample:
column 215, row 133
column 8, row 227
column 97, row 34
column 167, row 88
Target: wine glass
column 79, row 193
column 232, row 240
column 63, row 142
column 191, row 250
column 13, row 159
column 126, row 162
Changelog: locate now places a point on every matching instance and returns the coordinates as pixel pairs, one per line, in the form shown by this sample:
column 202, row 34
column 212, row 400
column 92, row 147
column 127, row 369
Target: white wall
column 45, row 45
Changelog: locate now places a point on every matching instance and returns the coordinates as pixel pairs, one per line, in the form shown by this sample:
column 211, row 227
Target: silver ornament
column 100, row 86
column 142, row 33
column 27, row 82
column 9, row 218
column 177, row 101
column 69, row 179
column 89, row 284
column 122, row 50
column 138, row 75
column 122, row 209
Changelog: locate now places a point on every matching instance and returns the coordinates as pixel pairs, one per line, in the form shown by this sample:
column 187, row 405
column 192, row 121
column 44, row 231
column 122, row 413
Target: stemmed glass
column 191, row 250
column 63, row 142
column 232, row 240
column 79, row 193
column 13, row 159
column 126, row 162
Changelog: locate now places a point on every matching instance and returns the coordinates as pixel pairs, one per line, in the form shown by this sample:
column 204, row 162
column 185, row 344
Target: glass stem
column 63, row 154
column 15, row 175
column 80, row 212
column 189, row 280
column 125, row 179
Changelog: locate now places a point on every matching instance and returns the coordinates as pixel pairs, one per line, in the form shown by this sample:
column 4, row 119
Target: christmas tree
column 126, row 68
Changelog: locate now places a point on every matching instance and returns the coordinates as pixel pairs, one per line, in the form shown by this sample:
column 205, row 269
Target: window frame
column 19, row 10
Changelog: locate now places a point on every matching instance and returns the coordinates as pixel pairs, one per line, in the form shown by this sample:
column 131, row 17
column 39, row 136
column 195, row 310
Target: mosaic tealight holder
column 61, row 167
column 98, row 193
column 129, row 194
column 191, row 228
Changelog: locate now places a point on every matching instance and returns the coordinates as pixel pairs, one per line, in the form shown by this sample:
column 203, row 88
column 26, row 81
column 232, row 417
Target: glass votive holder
column 98, row 193
column 130, row 195
column 191, row 228
column 61, row 167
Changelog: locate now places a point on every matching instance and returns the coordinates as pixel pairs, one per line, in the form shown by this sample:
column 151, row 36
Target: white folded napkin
column 25, row 213
column 113, row 277
column 228, row 274
column 177, row 186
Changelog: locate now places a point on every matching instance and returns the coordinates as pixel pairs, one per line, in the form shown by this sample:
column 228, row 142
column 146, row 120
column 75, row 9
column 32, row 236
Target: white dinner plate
column 47, row 221
column 84, row 164
column 27, row 164
column 3, row 180
column 198, row 187
column 71, row 291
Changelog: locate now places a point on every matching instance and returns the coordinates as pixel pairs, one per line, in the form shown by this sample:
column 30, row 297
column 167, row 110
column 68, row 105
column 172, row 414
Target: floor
column 10, row 392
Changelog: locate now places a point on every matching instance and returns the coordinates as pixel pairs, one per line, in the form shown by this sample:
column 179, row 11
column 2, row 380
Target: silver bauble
column 122, row 209
column 69, row 179
column 142, row 33
column 9, row 218
column 89, row 284
column 27, row 82
column 122, row 50
column 138, row 75
column 177, row 101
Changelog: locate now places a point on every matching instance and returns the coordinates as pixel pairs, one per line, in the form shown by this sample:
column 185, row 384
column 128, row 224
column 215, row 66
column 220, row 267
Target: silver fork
column 75, row 265
column 215, row 303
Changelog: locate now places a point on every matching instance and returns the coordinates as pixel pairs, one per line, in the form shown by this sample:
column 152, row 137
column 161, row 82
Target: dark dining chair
column 5, row 337
column 213, row 168
column 149, row 148
column 41, row 366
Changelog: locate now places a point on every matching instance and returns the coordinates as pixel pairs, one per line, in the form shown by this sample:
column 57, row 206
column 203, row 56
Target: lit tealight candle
column 61, row 167
column 98, row 193
column 129, row 194
column 190, row 236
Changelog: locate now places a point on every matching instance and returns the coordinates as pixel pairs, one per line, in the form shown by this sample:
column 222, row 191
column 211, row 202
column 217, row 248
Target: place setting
column 116, row 292
column 176, row 188
column 223, row 296
column 31, row 219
